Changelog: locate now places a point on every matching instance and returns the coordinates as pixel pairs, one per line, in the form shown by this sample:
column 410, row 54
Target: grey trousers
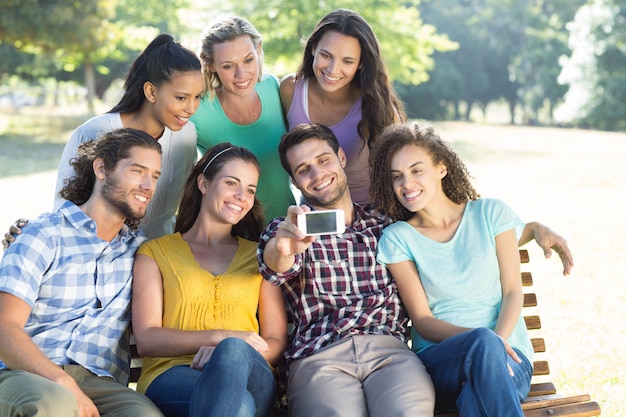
column 361, row 376
column 25, row 394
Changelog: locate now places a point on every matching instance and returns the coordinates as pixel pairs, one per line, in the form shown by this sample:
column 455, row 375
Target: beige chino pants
column 361, row 376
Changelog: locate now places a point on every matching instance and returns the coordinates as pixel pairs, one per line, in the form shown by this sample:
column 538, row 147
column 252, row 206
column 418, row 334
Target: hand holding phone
column 322, row 222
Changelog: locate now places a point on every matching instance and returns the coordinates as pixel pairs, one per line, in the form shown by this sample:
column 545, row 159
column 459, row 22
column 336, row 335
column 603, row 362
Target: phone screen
column 321, row 222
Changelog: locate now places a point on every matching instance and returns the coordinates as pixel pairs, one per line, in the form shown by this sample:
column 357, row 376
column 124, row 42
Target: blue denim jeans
column 237, row 382
column 470, row 375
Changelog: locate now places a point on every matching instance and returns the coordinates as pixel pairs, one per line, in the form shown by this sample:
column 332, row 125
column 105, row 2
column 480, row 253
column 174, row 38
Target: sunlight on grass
column 33, row 142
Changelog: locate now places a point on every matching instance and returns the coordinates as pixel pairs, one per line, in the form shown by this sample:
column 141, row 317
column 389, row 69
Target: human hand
column 203, row 354
column 549, row 241
column 14, row 230
column 201, row 357
column 86, row 407
column 511, row 353
column 289, row 239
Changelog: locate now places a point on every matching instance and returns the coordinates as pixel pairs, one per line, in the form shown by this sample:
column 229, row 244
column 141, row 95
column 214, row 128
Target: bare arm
column 18, row 351
column 548, row 240
column 512, row 297
column 273, row 322
column 414, row 300
column 287, row 87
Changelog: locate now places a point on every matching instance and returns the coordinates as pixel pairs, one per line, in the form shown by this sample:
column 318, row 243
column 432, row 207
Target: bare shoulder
column 287, row 87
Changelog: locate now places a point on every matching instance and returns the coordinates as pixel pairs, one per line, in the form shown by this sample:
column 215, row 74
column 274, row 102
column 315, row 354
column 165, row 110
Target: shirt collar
column 79, row 219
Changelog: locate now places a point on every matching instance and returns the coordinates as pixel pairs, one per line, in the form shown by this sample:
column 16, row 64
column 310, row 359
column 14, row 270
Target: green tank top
column 260, row 137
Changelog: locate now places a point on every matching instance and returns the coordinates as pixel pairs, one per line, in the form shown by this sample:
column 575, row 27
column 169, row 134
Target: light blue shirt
column 79, row 288
column 461, row 277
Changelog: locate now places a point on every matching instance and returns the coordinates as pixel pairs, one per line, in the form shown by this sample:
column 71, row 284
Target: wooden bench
column 543, row 399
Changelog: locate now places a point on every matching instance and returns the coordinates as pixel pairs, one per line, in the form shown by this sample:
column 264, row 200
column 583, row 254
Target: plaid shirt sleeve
column 25, row 262
column 274, row 277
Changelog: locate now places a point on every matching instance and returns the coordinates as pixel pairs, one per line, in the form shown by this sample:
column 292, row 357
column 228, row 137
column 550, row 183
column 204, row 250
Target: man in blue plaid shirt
column 65, row 288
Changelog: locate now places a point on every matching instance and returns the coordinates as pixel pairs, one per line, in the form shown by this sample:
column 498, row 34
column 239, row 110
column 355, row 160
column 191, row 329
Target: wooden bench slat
column 553, row 401
column 542, row 388
column 530, row 300
column 541, row 368
column 585, row 409
column 135, row 373
column 527, row 279
column 523, row 256
column 539, row 345
column 533, row 322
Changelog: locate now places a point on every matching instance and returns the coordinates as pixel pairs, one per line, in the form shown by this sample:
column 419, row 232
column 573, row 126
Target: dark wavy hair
column 379, row 100
column 158, row 63
column 251, row 226
column 301, row 133
column 111, row 147
column 457, row 184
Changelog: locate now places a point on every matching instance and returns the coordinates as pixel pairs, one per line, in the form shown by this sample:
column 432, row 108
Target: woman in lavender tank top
column 343, row 84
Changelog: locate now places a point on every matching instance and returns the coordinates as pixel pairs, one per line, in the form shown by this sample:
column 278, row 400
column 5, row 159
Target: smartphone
column 322, row 222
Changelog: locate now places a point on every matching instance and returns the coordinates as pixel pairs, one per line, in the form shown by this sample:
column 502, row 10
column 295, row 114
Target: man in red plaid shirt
column 349, row 356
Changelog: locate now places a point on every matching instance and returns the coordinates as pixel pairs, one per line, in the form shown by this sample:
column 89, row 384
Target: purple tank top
column 357, row 152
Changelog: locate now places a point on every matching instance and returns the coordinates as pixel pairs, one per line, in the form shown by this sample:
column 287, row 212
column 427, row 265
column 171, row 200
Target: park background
column 531, row 93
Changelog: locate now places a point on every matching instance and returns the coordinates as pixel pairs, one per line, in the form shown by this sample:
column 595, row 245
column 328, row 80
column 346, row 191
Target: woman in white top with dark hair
column 161, row 92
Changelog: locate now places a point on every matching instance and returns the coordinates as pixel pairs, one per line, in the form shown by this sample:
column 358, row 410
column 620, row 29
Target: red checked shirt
column 336, row 289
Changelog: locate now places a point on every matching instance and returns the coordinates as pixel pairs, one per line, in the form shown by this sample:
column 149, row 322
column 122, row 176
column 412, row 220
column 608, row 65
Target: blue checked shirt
column 336, row 289
column 79, row 288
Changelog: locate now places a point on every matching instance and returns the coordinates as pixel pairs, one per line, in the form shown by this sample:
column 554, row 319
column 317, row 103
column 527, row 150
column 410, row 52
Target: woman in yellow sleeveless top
column 196, row 294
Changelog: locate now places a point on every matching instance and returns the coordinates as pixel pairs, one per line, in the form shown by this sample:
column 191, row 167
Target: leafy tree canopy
column 407, row 42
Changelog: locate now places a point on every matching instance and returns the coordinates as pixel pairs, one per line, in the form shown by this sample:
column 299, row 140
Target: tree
column 596, row 71
column 486, row 35
column 83, row 33
column 537, row 66
column 407, row 43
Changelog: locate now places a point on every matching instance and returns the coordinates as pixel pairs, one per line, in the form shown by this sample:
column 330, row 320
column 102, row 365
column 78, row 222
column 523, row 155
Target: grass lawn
column 32, row 142
column 572, row 180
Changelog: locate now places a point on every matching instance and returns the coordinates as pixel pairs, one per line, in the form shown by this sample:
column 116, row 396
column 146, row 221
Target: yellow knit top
column 195, row 299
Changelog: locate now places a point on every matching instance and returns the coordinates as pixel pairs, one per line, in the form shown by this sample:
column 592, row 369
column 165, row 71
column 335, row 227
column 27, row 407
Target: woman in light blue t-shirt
column 454, row 258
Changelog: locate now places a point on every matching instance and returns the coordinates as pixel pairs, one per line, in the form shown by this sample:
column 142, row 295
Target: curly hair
column 457, row 184
column 111, row 147
column 214, row 159
column 379, row 100
column 225, row 28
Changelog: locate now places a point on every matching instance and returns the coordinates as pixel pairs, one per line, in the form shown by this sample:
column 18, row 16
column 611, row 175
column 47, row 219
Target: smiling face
column 336, row 59
column 129, row 187
column 318, row 172
column 416, row 179
column 230, row 195
column 236, row 63
column 177, row 100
